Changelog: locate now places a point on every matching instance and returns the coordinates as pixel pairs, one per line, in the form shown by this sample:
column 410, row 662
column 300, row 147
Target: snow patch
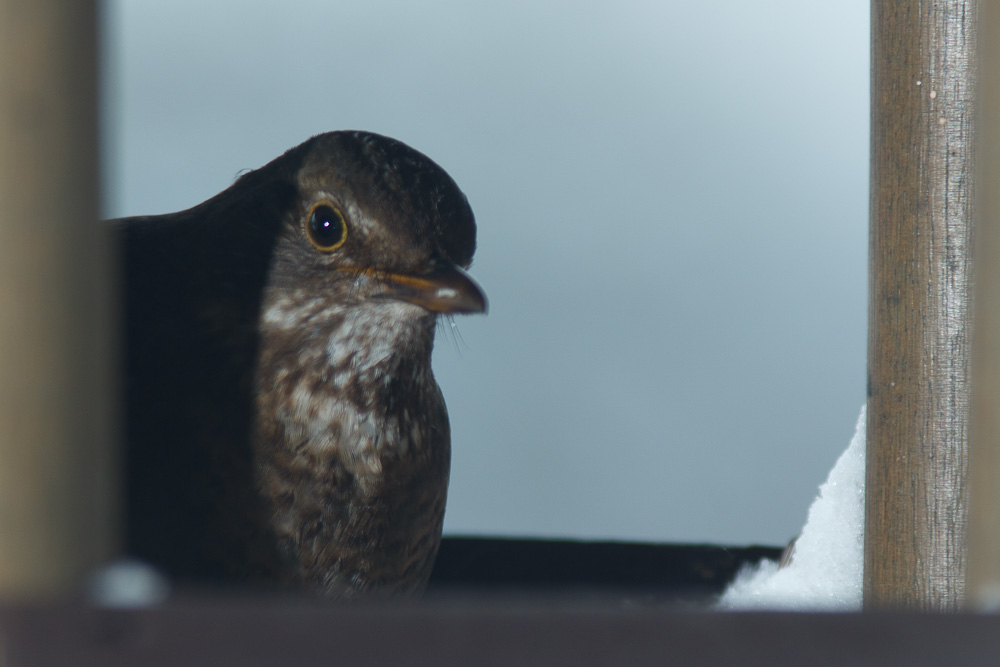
column 825, row 572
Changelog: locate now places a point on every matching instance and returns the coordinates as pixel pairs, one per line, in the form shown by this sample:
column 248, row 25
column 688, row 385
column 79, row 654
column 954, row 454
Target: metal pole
column 923, row 74
column 55, row 376
column 984, row 454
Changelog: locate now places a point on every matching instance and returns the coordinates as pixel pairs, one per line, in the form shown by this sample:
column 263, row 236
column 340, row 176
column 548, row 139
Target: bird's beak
column 449, row 290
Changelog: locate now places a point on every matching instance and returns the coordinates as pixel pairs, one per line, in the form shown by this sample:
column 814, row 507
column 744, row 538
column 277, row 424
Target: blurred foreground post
column 55, row 425
column 922, row 97
column 984, row 452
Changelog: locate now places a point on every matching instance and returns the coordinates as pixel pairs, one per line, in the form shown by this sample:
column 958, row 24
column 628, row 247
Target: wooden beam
column 984, row 455
column 55, row 371
column 517, row 629
column 922, row 187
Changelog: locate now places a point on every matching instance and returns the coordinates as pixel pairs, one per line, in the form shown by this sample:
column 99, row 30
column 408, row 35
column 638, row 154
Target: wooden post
column 984, row 454
column 55, row 371
column 922, row 97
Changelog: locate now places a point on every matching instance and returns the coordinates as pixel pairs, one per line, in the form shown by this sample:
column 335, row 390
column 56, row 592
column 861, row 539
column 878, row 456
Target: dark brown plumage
column 283, row 423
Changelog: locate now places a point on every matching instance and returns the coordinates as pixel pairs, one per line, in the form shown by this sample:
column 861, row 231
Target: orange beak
column 447, row 291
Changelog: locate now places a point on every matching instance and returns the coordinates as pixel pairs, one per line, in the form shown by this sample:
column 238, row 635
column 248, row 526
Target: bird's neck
column 328, row 374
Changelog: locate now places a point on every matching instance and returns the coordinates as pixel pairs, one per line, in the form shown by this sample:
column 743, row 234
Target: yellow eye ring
column 326, row 227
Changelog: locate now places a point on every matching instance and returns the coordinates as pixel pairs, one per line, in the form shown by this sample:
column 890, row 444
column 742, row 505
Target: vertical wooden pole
column 923, row 75
column 55, row 380
column 984, row 454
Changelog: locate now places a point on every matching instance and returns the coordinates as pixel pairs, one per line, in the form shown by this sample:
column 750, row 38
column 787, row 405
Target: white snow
column 828, row 559
column 128, row 584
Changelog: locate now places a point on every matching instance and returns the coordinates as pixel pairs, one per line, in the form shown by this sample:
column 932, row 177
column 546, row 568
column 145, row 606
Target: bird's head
column 375, row 221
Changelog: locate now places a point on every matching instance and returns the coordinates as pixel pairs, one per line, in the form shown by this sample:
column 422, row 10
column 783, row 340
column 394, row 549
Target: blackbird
column 283, row 425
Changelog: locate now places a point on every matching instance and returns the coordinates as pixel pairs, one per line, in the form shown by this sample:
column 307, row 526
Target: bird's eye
column 326, row 227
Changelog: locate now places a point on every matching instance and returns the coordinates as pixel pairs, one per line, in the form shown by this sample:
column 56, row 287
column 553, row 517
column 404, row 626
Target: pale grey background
column 672, row 207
